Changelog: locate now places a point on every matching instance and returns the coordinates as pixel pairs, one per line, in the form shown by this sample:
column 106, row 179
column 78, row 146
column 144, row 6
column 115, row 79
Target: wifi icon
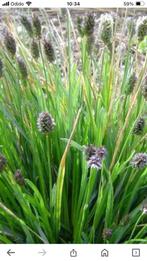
column 28, row 3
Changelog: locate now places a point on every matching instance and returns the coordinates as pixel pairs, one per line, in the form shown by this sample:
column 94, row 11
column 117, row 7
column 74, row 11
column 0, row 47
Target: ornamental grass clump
column 45, row 122
column 53, row 189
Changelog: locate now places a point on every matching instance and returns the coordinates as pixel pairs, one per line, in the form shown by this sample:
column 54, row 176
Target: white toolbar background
column 61, row 252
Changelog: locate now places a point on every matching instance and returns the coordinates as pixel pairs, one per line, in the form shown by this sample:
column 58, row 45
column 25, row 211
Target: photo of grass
column 73, row 126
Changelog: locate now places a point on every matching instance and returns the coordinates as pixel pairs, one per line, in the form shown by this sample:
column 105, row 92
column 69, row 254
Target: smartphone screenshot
column 73, row 130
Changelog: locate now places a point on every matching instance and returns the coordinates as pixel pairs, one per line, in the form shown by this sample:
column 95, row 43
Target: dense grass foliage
column 54, row 186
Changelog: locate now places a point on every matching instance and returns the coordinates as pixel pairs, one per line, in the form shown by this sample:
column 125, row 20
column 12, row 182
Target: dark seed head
column 101, row 152
column 95, row 162
column 139, row 126
column 89, row 25
column 49, row 51
column 90, row 150
column 19, row 177
column 106, row 30
column 3, row 162
column 27, row 25
column 45, row 122
column 37, row 26
column 107, row 233
column 144, row 89
column 131, row 83
column 1, row 68
column 80, row 26
column 139, row 160
column 94, row 156
column 10, row 43
column 141, row 28
column 22, row 68
column 35, row 49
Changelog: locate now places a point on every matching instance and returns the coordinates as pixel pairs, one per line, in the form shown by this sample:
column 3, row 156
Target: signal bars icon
column 6, row 4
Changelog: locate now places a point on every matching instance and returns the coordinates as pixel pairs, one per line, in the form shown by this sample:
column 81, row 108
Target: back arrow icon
column 43, row 252
column 9, row 252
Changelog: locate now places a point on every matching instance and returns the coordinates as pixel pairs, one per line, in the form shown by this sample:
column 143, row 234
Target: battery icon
column 140, row 3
